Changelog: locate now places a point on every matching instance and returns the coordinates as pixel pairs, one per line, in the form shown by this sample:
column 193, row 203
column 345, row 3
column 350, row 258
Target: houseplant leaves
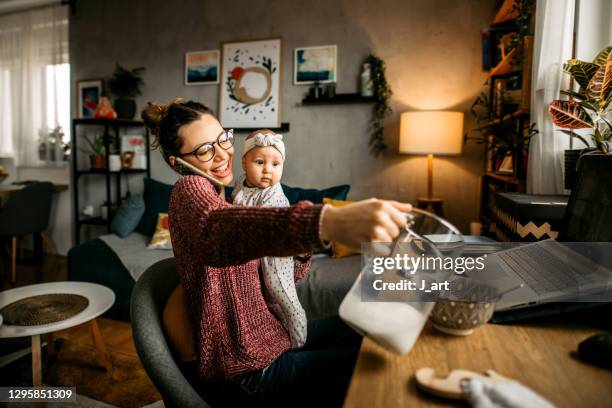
column 569, row 115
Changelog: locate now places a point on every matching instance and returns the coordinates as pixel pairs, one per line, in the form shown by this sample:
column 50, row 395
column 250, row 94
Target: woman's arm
column 225, row 235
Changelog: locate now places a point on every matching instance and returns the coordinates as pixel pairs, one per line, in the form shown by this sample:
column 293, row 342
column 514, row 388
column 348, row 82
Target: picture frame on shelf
column 89, row 92
column 317, row 64
column 250, row 84
column 136, row 144
column 202, row 67
column 506, row 166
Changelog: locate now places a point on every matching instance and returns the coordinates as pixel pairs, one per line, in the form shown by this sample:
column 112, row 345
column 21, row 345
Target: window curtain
column 553, row 46
column 33, row 47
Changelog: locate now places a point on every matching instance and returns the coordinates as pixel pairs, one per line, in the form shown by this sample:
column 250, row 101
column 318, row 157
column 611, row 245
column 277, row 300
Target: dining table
column 7, row 189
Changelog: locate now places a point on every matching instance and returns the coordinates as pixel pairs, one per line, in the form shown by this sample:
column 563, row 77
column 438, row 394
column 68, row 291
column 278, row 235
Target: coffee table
column 100, row 299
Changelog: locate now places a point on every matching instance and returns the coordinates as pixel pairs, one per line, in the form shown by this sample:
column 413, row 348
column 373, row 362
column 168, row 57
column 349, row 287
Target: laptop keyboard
column 543, row 271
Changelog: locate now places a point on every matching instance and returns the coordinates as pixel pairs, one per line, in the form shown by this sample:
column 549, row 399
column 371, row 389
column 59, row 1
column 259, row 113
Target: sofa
column 117, row 262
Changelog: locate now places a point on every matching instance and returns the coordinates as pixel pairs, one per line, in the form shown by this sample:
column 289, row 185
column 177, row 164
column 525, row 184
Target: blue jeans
column 317, row 374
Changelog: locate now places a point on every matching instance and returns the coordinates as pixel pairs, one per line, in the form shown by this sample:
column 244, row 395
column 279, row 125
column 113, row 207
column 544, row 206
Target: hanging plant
column 382, row 94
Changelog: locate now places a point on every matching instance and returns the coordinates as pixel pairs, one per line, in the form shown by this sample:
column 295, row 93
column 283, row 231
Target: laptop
column 576, row 267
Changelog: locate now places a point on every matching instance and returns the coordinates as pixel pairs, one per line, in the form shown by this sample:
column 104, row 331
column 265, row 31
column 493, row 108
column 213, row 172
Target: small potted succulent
column 126, row 84
column 589, row 108
column 96, row 152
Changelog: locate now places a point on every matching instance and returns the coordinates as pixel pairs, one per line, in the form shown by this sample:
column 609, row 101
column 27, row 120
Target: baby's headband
column 263, row 140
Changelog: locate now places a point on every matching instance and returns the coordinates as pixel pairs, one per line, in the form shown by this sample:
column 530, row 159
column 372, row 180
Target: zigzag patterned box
column 528, row 217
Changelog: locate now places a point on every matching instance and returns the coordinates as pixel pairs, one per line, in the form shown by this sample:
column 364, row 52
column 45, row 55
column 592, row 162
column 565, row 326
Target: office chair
column 149, row 297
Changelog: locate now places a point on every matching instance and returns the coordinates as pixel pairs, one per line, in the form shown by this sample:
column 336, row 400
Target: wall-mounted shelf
column 284, row 127
column 108, row 122
column 92, row 221
column 103, row 171
column 509, row 179
column 506, row 118
column 344, row 98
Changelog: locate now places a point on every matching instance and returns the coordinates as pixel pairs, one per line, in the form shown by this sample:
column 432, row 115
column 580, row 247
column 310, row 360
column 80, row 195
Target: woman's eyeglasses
column 206, row 151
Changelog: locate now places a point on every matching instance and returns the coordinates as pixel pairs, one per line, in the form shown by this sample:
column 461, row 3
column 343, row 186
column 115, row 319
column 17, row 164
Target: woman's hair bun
column 154, row 113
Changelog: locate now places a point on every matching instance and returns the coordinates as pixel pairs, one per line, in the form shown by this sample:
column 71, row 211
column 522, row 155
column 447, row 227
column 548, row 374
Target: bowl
column 461, row 318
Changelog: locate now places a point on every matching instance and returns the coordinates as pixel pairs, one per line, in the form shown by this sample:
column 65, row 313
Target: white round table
column 100, row 300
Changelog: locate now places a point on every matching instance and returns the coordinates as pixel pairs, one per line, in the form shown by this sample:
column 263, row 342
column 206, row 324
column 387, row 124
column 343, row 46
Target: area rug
column 77, row 365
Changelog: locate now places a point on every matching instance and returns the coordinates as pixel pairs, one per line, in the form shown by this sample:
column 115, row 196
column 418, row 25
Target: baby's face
column 263, row 166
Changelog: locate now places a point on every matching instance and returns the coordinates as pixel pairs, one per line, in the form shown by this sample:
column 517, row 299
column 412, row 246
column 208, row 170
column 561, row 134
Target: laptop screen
column 588, row 217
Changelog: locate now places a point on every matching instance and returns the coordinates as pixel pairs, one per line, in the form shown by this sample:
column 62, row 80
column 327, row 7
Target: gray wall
column 433, row 55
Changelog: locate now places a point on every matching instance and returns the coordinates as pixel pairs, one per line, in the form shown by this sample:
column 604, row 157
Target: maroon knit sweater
column 217, row 246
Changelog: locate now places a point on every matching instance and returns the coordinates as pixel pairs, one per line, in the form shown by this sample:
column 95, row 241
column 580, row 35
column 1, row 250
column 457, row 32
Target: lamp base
column 431, row 204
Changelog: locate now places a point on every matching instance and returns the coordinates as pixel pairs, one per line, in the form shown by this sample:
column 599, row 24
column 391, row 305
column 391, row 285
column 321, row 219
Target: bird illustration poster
column 250, row 84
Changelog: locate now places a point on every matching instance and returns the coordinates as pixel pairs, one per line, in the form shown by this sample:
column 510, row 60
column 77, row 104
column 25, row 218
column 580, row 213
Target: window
column 54, row 139
column 34, row 86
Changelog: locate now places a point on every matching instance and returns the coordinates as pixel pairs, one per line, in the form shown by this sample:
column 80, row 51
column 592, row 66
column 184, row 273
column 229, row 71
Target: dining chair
column 25, row 212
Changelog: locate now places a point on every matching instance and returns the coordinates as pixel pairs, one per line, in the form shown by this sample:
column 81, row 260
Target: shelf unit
column 284, row 127
column 339, row 99
column 518, row 120
column 108, row 125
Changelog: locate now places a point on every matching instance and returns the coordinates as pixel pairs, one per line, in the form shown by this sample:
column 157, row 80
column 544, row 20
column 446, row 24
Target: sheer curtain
column 553, row 46
column 33, row 57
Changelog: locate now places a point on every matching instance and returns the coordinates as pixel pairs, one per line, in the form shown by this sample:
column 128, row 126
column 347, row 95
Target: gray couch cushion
column 329, row 280
column 133, row 252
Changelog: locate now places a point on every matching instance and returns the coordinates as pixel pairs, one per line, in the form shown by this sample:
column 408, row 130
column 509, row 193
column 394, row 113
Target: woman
column 243, row 351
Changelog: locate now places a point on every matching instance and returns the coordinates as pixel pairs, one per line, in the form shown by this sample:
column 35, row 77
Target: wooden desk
column 538, row 356
column 8, row 189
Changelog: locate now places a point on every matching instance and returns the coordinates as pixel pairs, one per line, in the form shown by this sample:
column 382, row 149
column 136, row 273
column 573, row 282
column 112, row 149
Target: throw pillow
column 156, row 197
column 128, row 216
column 178, row 326
column 161, row 238
column 295, row 194
column 339, row 250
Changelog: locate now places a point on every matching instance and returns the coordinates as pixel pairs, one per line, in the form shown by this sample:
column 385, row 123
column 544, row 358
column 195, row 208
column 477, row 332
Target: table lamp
column 431, row 132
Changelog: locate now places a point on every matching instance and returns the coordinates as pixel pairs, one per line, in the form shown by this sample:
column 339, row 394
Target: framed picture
column 135, row 144
column 315, row 64
column 250, row 88
column 506, row 166
column 89, row 92
column 202, row 67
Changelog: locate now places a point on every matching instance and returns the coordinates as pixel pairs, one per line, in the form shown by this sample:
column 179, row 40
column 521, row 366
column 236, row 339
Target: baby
column 262, row 162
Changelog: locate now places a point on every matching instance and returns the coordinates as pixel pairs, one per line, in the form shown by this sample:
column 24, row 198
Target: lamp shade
column 431, row 132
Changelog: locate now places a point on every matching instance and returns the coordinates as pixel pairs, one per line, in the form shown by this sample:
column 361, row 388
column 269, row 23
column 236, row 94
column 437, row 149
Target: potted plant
column 126, row 84
column 382, row 94
column 589, row 108
column 96, row 152
column 503, row 139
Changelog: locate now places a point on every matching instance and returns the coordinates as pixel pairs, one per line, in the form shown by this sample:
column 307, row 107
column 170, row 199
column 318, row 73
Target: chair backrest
column 149, row 297
column 27, row 211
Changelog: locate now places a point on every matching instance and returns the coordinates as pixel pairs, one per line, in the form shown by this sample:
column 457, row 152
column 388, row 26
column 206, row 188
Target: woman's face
column 206, row 130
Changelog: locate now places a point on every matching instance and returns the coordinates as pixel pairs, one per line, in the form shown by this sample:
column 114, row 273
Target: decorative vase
column 114, row 162
column 367, row 88
column 98, row 162
column 569, row 167
column 125, row 108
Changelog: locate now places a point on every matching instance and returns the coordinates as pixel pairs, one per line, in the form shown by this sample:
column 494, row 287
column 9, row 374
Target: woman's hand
column 365, row 221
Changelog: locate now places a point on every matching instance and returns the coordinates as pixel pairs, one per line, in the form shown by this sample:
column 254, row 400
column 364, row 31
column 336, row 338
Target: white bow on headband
column 265, row 139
